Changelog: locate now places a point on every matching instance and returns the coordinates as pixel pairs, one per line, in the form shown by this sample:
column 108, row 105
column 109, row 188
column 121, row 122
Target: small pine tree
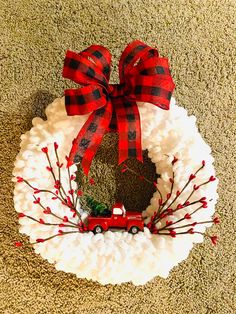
column 97, row 209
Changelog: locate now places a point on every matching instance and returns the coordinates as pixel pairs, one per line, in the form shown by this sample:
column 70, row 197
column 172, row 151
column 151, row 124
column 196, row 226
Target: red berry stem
column 177, row 233
column 60, row 189
column 192, row 224
column 36, row 190
column 76, row 199
column 77, row 190
column 41, row 221
column 53, row 214
column 53, row 236
column 73, row 199
column 194, row 189
column 50, row 165
column 212, row 238
column 54, row 194
column 30, row 185
column 165, row 211
column 59, row 170
column 187, row 205
column 190, row 232
column 181, row 219
column 63, row 201
column 185, row 186
column 169, row 196
column 190, row 195
column 143, row 178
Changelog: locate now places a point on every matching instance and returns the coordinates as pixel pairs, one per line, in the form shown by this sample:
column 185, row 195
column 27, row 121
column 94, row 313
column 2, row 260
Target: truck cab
column 120, row 218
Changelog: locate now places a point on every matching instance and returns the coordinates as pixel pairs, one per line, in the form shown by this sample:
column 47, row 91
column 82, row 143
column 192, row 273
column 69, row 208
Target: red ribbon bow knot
column 144, row 76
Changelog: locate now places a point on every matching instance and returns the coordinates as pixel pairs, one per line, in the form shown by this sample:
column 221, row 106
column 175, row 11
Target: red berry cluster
column 167, row 208
column 67, row 197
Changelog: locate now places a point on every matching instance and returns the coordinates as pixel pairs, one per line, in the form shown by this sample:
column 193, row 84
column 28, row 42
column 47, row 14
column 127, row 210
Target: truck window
column 117, row 211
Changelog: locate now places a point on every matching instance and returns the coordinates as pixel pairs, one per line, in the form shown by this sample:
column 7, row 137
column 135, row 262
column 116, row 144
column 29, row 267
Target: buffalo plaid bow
column 144, row 76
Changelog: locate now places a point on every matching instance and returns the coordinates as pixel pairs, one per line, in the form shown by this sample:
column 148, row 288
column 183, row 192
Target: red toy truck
column 120, row 218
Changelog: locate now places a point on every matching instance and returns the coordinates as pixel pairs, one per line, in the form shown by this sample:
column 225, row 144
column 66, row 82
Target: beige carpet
column 199, row 38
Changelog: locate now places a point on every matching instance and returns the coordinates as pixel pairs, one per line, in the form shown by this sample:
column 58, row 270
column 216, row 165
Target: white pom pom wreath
column 116, row 257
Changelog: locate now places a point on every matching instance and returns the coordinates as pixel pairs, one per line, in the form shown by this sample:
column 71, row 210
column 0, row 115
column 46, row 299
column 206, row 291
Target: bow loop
column 151, row 89
column 154, row 66
column 153, row 83
column 84, row 100
column 84, row 71
column 147, row 76
column 132, row 53
column 101, row 58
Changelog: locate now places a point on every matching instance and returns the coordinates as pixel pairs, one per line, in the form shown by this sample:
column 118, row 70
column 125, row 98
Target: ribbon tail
column 86, row 144
column 129, row 129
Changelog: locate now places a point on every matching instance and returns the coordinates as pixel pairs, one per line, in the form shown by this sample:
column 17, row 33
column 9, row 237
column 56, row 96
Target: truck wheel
column 134, row 230
column 97, row 229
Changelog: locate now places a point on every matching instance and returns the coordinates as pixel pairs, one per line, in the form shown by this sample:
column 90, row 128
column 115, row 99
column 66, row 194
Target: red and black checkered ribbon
column 144, row 77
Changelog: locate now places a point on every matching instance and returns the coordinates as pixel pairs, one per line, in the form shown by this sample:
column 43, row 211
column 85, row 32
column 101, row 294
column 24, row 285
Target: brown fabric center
column 111, row 185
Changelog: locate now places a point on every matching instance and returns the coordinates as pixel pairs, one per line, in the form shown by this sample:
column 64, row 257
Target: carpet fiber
column 198, row 38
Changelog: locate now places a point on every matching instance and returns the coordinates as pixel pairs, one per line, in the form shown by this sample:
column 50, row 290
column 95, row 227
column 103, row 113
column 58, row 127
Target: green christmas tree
column 97, row 208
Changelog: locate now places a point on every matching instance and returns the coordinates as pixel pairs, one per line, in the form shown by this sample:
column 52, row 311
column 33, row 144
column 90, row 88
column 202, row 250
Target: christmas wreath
column 71, row 228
